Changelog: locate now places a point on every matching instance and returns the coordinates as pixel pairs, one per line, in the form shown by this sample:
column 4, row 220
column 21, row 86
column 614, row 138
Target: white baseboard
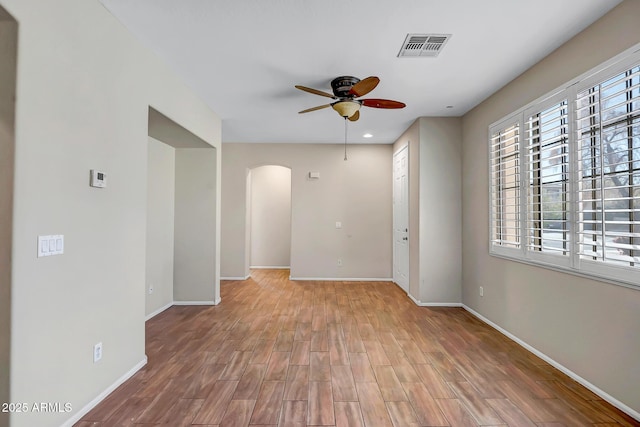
column 236, row 278
column 89, row 406
column 604, row 395
column 270, row 267
column 172, row 303
column 158, row 311
column 433, row 304
column 197, row 302
column 413, row 299
column 441, row 304
column 343, row 279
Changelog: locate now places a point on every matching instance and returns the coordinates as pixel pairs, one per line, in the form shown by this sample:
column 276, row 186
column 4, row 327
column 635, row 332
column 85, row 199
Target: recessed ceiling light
column 367, row 135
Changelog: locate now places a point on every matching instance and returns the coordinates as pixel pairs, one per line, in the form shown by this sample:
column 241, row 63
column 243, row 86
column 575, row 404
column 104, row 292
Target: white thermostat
column 98, row 179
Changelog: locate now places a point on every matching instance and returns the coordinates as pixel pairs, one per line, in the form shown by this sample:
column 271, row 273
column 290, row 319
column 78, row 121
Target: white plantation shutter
column 564, row 177
column 608, row 148
column 505, row 186
column 547, row 161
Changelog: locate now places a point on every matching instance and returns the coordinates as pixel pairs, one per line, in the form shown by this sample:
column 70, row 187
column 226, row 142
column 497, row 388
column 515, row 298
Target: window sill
column 572, row 271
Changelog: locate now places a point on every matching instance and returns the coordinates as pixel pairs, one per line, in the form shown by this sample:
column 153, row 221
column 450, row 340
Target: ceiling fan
column 345, row 91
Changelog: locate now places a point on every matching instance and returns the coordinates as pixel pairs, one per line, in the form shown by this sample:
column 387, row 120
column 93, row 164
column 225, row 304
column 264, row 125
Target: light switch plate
column 50, row 245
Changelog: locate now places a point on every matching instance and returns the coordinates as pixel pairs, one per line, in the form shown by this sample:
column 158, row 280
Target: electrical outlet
column 339, row 262
column 150, row 289
column 97, row 352
column 481, row 291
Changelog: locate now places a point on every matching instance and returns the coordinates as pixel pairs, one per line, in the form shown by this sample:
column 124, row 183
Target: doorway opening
column 181, row 218
column 269, row 217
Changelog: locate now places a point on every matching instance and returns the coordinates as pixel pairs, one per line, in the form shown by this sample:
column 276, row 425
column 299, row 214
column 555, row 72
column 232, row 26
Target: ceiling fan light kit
column 346, row 109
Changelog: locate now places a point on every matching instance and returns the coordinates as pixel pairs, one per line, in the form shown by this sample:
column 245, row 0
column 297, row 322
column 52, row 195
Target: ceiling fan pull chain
column 345, row 138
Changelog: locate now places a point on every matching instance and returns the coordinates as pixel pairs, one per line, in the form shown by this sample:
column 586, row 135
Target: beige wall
column 588, row 326
column 440, row 210
column 270, row 216
column 8, row 44
column 89, row 109
column 161, row 178
column 356, row 192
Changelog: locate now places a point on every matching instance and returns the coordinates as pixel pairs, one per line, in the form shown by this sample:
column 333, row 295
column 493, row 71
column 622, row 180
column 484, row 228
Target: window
column 546, row 157
column 609, row 170
column 505, row 185
column 565, row 178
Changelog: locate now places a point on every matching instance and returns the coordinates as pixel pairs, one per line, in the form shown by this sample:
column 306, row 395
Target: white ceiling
column 243, row 57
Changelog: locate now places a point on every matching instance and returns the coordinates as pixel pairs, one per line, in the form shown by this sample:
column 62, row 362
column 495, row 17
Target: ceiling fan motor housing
column 342, row 85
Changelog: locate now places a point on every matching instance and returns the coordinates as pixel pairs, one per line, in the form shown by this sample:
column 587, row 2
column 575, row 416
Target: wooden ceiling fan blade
column 319, row 107
column 355, row 116
column 315, row 91
column 365, row 86
column 382, row 103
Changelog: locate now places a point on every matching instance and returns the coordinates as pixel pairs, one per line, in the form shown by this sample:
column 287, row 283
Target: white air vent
column 423, row 44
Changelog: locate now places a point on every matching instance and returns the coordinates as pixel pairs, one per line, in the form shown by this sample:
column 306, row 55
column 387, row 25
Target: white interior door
column 401, row 218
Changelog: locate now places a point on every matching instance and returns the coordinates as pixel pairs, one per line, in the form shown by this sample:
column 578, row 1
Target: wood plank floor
column 283, row 353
